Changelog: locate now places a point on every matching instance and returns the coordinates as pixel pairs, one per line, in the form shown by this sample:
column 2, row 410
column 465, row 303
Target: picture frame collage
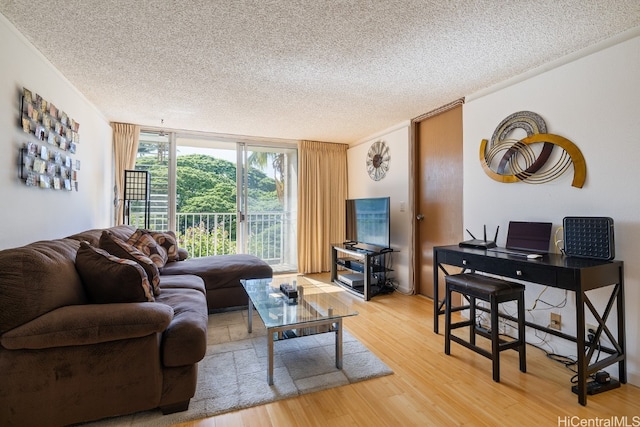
column 48, row 163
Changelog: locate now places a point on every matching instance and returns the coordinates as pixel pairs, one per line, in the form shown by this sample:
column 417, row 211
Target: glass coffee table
column 314, row 308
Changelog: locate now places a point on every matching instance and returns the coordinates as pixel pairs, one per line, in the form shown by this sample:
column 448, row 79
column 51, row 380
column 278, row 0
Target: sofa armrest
column 89, row 324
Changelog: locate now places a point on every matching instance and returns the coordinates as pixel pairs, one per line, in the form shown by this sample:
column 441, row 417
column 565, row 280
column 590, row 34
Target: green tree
column 260, row 160
column 200, row 241
column 207, row 185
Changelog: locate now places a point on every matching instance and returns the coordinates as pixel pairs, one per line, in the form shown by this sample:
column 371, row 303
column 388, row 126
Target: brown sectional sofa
column 221, row 273
column 65, row 360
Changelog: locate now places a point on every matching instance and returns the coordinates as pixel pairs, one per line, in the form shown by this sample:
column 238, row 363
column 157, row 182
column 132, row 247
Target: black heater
column 136, row 187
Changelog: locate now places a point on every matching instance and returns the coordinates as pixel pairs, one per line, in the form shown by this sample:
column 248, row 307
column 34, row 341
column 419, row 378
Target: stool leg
column 472, row 317
column 495, row 340
column 522, row 350
column 447, row 321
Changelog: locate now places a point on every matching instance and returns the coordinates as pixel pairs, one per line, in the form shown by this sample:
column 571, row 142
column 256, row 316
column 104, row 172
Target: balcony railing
column 204, row 234
column 271, row 235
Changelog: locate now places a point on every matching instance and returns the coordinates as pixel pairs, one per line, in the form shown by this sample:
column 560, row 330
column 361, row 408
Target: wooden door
column 438, row 185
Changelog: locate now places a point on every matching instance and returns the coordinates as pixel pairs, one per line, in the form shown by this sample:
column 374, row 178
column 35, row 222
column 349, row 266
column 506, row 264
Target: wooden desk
column 574, row 274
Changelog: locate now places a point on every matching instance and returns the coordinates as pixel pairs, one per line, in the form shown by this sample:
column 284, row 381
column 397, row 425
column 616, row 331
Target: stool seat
column 494, row 291
column 483, row 286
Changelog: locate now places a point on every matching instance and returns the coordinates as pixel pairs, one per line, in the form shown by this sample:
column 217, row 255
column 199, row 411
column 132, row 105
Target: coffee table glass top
column 315, row 301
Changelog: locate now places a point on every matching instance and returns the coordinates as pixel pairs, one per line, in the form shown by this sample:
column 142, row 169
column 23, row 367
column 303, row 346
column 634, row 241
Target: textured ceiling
column 322, row 70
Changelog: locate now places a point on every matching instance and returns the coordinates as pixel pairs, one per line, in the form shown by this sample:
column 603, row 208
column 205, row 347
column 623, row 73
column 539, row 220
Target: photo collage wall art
column 47, row 161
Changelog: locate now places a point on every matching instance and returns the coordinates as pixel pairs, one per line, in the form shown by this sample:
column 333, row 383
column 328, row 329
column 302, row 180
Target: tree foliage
column 200, row 241
column 207, row 185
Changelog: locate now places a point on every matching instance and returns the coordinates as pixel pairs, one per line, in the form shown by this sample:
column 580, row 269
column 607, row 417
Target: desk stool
column 494, row 291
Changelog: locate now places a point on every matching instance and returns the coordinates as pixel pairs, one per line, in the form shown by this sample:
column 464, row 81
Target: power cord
column 591, row 336
column 388, row 287
column 385, row 284
column 559, row 243
column 538, row 299
column 567, row 361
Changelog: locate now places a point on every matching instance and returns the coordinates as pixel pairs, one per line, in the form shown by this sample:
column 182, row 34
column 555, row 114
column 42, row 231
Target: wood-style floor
column 429, row 388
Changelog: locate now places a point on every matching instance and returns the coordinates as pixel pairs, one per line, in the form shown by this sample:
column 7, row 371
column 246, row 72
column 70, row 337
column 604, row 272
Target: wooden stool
column 494, row 291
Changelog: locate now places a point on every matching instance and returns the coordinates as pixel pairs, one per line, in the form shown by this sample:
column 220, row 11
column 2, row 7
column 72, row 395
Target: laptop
column 526, row 238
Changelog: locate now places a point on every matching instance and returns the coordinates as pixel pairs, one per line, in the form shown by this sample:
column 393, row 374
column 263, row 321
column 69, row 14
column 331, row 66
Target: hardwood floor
column 429, row 388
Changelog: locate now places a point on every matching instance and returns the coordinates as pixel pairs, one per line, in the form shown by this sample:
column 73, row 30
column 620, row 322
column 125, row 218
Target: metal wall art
column 378, row 160
column 510, row 160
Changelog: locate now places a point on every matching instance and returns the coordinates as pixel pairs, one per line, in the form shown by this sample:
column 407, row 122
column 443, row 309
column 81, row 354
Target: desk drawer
column 455, row 258
column 524, row 269
column 528, row 273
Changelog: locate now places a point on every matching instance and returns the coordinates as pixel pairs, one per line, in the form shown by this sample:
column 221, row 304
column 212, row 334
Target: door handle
column 419, row 217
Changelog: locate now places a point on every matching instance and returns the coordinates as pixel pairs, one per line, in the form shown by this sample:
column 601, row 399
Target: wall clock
column 378, row 160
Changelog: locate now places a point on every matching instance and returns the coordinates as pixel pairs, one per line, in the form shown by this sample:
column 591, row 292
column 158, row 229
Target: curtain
column 125, row 149
column 322, row 191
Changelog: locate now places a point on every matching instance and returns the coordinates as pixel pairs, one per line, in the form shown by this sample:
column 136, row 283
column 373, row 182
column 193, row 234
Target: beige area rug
column 233, row 374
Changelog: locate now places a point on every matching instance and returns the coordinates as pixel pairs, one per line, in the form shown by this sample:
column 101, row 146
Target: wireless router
column 480, row 244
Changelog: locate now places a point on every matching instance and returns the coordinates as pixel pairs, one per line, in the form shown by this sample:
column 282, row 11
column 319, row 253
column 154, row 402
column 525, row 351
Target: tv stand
column 365, row 271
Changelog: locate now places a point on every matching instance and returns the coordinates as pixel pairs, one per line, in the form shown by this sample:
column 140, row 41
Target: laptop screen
column 529, row 236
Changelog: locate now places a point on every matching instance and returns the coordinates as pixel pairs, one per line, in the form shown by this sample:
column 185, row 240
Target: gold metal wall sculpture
column 520, row 162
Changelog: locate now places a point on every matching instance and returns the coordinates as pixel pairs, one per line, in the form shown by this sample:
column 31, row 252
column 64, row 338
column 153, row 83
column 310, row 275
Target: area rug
column 233, row 374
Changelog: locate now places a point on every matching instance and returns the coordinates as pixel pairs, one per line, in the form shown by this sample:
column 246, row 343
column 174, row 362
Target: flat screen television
column 368, row 221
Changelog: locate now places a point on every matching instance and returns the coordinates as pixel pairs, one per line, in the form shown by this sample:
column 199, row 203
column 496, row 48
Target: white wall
column 27, row 213
column 594, row 102
column 394, row 185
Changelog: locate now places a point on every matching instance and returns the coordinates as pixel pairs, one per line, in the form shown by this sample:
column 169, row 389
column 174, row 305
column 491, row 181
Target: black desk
column 574, row 274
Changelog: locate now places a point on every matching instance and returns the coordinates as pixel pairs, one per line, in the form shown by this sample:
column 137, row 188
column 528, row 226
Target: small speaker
column 589, row 237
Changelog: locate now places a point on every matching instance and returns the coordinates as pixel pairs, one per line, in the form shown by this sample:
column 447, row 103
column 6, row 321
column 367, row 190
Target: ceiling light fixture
column 162, row 133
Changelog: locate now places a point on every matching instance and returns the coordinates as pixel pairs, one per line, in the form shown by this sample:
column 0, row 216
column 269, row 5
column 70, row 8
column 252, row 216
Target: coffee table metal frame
column 334, row 322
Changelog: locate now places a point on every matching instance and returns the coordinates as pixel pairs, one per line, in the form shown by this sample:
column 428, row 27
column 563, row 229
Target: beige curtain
column 125, row 149
column 322, row 191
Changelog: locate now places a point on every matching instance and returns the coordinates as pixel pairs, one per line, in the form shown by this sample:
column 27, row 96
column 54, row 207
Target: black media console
column 361, row 271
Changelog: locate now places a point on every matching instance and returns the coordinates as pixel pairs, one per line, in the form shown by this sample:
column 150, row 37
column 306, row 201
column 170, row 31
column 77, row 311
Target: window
column 219, row 207
column 153, row 156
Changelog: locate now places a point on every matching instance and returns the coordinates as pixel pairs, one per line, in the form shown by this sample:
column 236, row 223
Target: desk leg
column 580, row 349
column 438, row 307
column 622, row 365
column 436, row 304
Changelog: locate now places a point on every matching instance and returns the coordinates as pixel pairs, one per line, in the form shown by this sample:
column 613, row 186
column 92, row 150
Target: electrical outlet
column 556, row 321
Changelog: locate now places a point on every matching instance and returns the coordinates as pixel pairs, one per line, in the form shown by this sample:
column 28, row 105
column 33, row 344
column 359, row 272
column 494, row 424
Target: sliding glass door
column 225, row 197
column 267, row 185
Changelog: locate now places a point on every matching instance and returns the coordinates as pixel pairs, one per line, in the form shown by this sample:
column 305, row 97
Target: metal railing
column 204, row 234
column 270, row 234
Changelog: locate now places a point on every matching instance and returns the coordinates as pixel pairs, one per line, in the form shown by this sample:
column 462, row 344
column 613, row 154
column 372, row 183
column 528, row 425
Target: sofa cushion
column 99, row 323
column 222, row 275
column 188, row 281
column 221, row 271
column 93, row 236
column 38, row 278
column 118, row 247
column 187, row 329
column 144, row 242
column 109, row 279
